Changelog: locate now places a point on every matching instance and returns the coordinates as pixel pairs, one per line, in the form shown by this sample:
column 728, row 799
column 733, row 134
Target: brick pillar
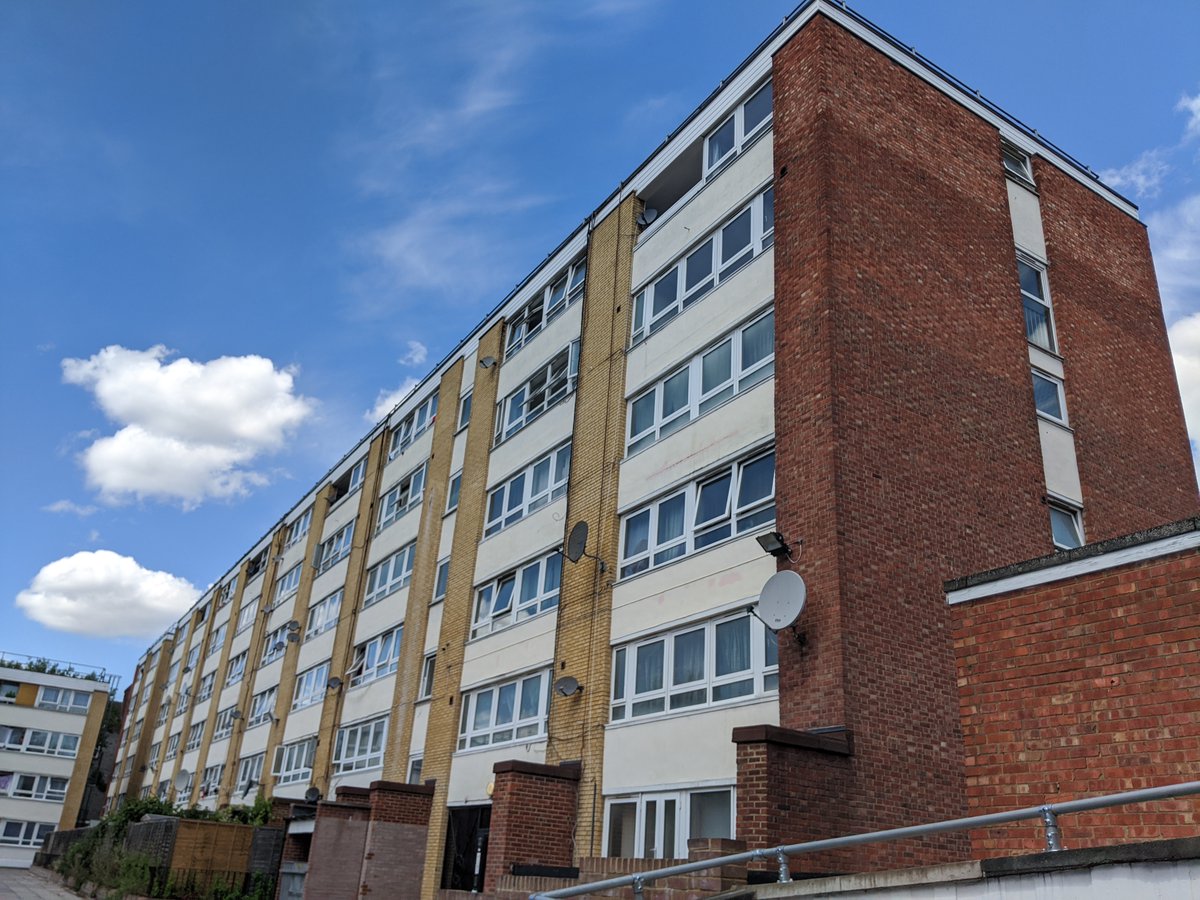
column 393, row 862
column 718, row 880
column 335, row 857
column 792, row 786
column 533, row 816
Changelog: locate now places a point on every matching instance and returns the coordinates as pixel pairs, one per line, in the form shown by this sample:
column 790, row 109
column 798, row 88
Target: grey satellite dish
column 312, row 795
column 183, row 780
column 577, row 541
column 782, row 600
column 334, row 683
column 566, row 686
column 647, row 216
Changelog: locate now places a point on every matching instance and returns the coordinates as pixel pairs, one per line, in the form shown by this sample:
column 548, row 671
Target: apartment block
column 847, row 303
column 49, row 725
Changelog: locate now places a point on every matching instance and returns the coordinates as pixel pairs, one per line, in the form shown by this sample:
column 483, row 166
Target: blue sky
column 230, row 232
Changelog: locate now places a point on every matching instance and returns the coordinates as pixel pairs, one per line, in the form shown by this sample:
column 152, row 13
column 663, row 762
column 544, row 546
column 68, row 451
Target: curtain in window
column 648, row 675
column 715, row 367
column 688, row 663
column 758, row 341
column 733, row 646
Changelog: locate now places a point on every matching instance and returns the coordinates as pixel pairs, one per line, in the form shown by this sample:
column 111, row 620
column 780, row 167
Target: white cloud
column 1191, row 106
column 417, row 352
column 1143, row 176
column 1175, row 238
column 1185, row 346
column 68, row 506
column 189, row 429
column 387, row 400
column 103, row 594
column 93, row 536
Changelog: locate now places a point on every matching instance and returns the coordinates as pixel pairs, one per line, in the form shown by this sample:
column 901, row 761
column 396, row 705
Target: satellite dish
column 577, row 541
column 782, row 600
column 312, row 795
column 566, row 686
column 183, row 780
column 647, row 216
column 334, row 683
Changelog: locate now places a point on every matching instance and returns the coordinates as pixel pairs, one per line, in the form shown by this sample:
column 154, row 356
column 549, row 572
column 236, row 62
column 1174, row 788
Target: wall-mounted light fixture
column 774, row 543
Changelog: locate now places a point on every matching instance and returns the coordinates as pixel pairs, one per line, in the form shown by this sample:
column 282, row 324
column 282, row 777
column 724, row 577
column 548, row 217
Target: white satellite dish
column 183, row 780
column 781, row 600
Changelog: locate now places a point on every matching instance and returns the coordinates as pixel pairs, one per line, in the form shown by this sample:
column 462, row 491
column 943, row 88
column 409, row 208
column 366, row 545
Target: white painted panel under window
column 433, row 627
column 379, row 617
column 1059, row 462
column 1026, row 213
column 543, row 528
column 542, row 435
column 470, row 773
column 516, row 370
column 513, row 649
column 371, row 699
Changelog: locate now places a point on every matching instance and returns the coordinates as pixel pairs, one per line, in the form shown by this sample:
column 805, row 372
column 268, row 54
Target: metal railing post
column 1053, row 834
column 638, row 883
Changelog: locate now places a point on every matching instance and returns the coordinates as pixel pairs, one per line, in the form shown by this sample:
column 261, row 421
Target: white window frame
column 8, row 691
column 545, row 306
column 274, row 646
column 415, row 764
column 250, row 769
column 38, row 740
column 235, row 672
column 628, row 704
column 651, row 846
column 224, row 724
column 39, row 787
column 193, row 657
column 741, row 136
column 464, row 410
column 332, row 551
column 740, row 520
column 246, row 615
column 173, row 745
column 64, row 700
column 403, row 496
column 505, row 600
column 294, row 761
column 210, row 781
column 390, row 575
column 699, row 402
column 1029, row 298
column 262, row 707
column 441, row 581
column 323, row 615
column 195, row 736
column 413, row 425
column 311, row 685
column 299, row 528
column 27, row 834
column 1074, row 516
column 1056, row 383
column 205, row 689
column 216, row 640
column 1016, row 162
column 376, row 658
column 453, row 491
column 552, row 383
column 287, row 585
column 514, row 498
column 428, row 671
column 225, row 593
column 360, row 746
column 670, row 288
column 475, row 734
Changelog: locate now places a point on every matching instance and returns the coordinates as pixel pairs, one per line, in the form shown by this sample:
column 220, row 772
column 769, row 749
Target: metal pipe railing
column 1048, row 813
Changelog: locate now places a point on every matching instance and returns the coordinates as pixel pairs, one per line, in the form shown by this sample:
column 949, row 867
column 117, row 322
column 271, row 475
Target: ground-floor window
column 658, row 825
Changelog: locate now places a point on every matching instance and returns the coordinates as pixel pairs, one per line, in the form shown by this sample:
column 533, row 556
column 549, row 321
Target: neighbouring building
column 848, row 301
column 49, row 728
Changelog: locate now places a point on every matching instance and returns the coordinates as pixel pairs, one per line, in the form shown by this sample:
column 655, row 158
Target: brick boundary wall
column 533, row 816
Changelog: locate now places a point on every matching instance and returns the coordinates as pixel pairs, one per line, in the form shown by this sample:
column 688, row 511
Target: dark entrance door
column 466, row 847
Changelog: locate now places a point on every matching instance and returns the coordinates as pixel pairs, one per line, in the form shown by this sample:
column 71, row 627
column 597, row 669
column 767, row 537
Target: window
column 24, row 834
column 730, row 500
column 152, row 756
column 706, row 265
column 224, row 724
column 182, row 701
column 414, row 770
column 400, row 499
column 293, row 762
column 729, row 138
column 744, row 358
column 210, row 781
column 236, row 668
column 413, row 425
column 246, row 615
column 184, row 794
column 164, row 710
column 323, row 615
column 1039, row 326
column 349, row 482
column 64, row 700
column 206, row 687
column 390, row 575
column 193, row 657
column 164, row 787
column 563, row 290
column 137, row 731
column 548, row 385
column 659, row 825
column 225, row 594
column 195, row 733
column 428, row 667
column 464, row 410
column 310, row 686
column 36, row 787
column 1048, row 397
column 299, row 528
column 274, row 645
column 714, row 662
column 1016, row 162
column 359, row 746
column 517, row 595
column 377, row 657
column 256, row 563
column 287, row 585
column 442, row 581
column 506, row 713
column 453, row 492
column 262, row 707
column 173, row 745
column 216, row 640
column 249, row 772
column 335, row 549
column 1066, row 526
column 529, row 490
column 8, row 691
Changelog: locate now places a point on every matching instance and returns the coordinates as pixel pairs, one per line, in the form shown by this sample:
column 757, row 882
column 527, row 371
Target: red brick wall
column 1083, row 687
column 533, row 817
column 1134, row 458
column 907, row 445
column 393, row 801
column 335, row 857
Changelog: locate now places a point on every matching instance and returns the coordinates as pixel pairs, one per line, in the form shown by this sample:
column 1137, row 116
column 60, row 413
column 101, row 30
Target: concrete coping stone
column 567, row 771
column 838, row 740
column 1174, row 850
column 401, row 787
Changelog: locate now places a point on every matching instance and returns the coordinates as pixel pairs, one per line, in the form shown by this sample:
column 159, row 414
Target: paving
column 31, row 884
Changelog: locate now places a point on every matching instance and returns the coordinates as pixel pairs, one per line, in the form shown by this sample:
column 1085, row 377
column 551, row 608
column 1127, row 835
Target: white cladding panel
column 537, row 352
column 548, row 431
column 1026, row 213
column 1058, row 460
column 471, row 773
column 506, row 548
column 369, row 700
column 514, row 649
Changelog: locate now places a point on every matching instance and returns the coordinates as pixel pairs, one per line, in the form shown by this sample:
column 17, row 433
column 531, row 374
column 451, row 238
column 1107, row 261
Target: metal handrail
column 1048, row 813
